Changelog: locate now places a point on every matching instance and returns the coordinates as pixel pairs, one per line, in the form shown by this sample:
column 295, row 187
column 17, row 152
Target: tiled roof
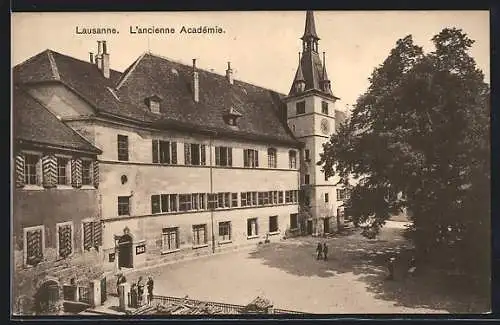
column 34, row 123
column 149, row 75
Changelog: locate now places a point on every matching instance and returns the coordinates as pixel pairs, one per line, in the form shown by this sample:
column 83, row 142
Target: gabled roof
column 261, row 108
column 34, row 123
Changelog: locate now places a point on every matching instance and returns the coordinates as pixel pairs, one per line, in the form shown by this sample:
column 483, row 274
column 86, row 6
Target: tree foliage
column 418, row 139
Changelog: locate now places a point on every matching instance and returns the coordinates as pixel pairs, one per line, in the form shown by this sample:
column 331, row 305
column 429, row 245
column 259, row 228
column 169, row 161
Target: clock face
column 325, row 127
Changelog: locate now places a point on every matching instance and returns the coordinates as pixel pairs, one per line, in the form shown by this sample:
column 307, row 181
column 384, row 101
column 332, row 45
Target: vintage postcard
column 267, row 162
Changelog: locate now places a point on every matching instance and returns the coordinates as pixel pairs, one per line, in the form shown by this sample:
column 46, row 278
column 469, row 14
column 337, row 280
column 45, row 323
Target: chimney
column 196, row 83
column 229, row 73
column 98, row 57
column 91, row 57
column 105, row 60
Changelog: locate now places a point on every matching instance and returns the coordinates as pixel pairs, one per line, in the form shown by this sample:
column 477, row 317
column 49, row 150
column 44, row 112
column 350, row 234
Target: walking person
column 319, row 250
column 325, row 251
column 150, row 285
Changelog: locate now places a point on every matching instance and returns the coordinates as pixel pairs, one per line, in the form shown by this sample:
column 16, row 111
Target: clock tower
column 311, row 116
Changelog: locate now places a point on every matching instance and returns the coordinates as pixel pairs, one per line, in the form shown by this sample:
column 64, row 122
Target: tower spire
column 310, row 38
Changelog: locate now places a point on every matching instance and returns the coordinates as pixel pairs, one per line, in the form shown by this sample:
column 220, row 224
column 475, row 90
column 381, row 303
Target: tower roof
column 310, row 29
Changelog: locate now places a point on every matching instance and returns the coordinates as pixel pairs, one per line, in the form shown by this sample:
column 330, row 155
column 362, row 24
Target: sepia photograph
column 250, row 162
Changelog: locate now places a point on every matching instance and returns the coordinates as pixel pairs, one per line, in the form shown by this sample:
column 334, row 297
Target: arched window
column 271, row 158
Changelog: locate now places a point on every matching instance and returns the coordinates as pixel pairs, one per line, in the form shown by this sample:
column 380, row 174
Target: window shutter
column 76, row 172
column 87, row 235
column 217, row 156
column 19, row 170
column 256, row 157
column 96, row 173
column 187, row 154
column 49, row 170
column 229, row 156
column 245, row 157
column 203, row 154
column 97, row 234
column 155, row 151
column 65, row 241
column 174, row 152
column 34, row 254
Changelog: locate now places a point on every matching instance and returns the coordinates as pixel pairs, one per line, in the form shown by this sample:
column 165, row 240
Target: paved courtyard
column 287, row 273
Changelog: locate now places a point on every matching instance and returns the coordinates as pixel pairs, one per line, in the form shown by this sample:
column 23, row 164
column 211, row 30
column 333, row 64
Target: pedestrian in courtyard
column 140, row 291
column 150, row 285
column 325, row 251
column 121, row 279
column 319, row 250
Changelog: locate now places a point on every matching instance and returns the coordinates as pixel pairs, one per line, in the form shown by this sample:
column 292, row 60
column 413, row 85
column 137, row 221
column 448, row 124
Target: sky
column 262, row 46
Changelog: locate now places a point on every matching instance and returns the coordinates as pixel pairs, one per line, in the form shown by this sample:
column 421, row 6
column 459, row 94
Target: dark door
column 326, row 225
column 103, row 290
column 309, row 227
column 125, row 251
column 47, row 296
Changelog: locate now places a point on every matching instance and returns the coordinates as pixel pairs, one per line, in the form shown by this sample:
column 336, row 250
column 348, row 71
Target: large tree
column 418, row 140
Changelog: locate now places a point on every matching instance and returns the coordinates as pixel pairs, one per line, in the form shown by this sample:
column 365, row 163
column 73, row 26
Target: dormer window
column 153, row 103
column 232, row 116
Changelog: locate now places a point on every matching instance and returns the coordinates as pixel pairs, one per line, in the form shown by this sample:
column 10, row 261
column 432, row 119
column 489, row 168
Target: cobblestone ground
column 287, row 273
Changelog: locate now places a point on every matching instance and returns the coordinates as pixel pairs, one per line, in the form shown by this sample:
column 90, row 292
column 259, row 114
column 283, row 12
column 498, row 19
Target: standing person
column 325, row 251
column 150, row 285
column 140, row 291
column 319, row 250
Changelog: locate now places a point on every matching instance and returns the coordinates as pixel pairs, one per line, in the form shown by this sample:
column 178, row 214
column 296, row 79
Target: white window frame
column 292, row 163
column 154, row 106
column 272, row 158
column 68, row 184
column 39, row 171
column 91, row 185
column 205, row 244
column 25, row 243
column 225, row 241
column 256, row 235
column 59, row 225
column 165, row 250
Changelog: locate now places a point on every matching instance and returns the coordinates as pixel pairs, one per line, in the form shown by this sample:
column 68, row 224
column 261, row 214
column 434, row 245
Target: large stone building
column 190, row 161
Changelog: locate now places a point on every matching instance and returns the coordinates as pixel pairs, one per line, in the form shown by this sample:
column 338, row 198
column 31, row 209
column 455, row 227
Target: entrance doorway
column 309, row 227
column 47, row 297
column 326, row 225
column 125, row 251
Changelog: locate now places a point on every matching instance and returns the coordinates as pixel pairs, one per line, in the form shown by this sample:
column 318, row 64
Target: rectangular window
column 326, row 197
column 225, row 231
column 223, row 200
column 65, row 239
column 250, row 158
column 169, row 239
column 63, row 171
column 295, row 196
column 273, row 224
column 288, row 196
column 32, row 169
column 271, row 158
column 223, row 156
column 266, row 198
column 306, row 155
column 34, row 238
column 201, row 201
column 155, row 204
column 212, row 201
column 154, row 106
column 280, row 197
column 122, row 147
column 300, row 107
column 324, row 107
column 261, row 198
column 185, row 203
column 87, row 172
column 199, row 235
column 292, row 159
column 172, row 202
column 294, row 222
column 306, row 179
column 164, row 152
column 252, row 227
column 194, row 154
column 92, row 235
column 341, row 194
column 123, row 205
column 243, row 199
column 234, row 200
column 254, row 198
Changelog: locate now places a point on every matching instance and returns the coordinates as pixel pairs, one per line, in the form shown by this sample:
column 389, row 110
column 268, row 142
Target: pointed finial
column 310, row 29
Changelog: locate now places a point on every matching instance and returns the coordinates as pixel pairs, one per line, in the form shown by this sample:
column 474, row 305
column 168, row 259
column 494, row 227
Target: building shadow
column 368, row 260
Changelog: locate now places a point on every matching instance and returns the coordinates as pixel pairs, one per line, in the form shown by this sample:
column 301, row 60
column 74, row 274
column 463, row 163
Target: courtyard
column 352, row 280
